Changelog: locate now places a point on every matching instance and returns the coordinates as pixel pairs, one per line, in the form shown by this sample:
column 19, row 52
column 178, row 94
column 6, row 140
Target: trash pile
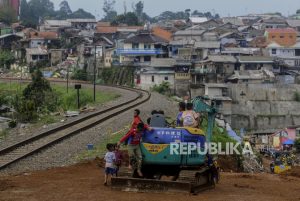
column 251, row 164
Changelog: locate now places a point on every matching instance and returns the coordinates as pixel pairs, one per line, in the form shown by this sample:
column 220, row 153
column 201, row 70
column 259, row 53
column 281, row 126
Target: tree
column 7, row 15
column 80, row 13
column 80, row 74
column 36, row 98
column 36, row 10
column 169, row 15
column 6, row 58
column 64, row 11
column 197, row 13
column 37, row 89
column 208, row 15
column 109, row 10
column 64, row 7
column 129, row 18
column 217, row 16
column 25, row 14
column 187, row 12
column 138, row 10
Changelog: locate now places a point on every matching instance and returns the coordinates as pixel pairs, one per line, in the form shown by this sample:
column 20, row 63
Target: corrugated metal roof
column 255, row 59
column 197, row 20
column 60, row 23
column 208, row 44
column 83, row 20
column 181, row 42
column 5, row 35
column 233, row 20
column 145, row 38
column 293, row 23
column 164, row 62
column 222, row 58
column 189, row 33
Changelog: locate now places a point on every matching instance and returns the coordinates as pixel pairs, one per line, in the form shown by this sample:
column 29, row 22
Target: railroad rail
column 31, row 145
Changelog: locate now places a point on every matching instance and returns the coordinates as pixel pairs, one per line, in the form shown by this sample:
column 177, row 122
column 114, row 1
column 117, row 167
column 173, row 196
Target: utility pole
column 68, row 78
column 95, row 64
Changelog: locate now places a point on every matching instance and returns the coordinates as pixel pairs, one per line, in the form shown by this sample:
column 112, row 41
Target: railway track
column 27, row 147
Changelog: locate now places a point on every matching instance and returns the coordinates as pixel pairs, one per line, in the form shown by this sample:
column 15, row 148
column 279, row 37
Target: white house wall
column 146, row 80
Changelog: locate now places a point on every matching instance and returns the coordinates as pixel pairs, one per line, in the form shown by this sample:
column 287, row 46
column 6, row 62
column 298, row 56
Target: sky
column 224, row 7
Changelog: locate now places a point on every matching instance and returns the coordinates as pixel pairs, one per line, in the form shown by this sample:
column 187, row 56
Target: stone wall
column 264, row 106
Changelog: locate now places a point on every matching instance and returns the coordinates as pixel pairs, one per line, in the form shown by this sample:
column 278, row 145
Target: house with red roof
column 285, row 37
column 283, row 45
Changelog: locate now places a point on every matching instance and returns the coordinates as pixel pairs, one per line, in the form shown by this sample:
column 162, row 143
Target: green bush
column 12, row 124
column 36, row 98
column 3, row 98
column 297, row 145
column 26, row 109
column 80, row 74
column 3, row 134
column 6, row 59
column 163, row 88
column 297, row 96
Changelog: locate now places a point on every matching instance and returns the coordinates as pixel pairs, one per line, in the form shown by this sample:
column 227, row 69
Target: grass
column 3, row 134
column 67, row 101
column 100, row 149
column 48, row 119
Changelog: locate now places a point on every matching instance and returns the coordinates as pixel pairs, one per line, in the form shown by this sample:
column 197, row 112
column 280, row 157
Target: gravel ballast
column 65, row 152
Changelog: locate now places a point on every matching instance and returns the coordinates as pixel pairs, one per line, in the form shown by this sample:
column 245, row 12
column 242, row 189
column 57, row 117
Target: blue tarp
column 47, row 74
column 234, row 136
column 289, row 142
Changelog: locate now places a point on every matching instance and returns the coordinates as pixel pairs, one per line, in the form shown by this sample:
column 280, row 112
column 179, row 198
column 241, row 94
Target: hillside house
column 142, row 48
column 160, row 70
column 284, row 37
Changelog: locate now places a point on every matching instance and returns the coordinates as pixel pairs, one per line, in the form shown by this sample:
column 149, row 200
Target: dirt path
column 85, row 182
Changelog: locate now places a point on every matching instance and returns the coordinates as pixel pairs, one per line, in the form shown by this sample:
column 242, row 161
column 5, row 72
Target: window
column 274, row 51
column 152, row 78
column 281, row 36
column 273, row 37
column 166, row 78
column 135, row 46
column 147, row 46
column 34, row 57
column 147, row 58
column 291, row 36
column 297, row 52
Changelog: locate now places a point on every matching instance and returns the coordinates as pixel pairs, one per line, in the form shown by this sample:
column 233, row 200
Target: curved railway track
column 24, row 148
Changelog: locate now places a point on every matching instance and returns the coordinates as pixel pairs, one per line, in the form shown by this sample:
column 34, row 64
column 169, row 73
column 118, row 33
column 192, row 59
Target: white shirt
column 110, row 158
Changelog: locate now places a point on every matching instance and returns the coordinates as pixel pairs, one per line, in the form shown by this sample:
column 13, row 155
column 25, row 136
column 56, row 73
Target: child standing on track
column 134, row 149
column 110, row 159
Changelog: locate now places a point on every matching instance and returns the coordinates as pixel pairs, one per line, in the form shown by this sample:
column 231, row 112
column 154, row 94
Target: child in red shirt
column 134, row 149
